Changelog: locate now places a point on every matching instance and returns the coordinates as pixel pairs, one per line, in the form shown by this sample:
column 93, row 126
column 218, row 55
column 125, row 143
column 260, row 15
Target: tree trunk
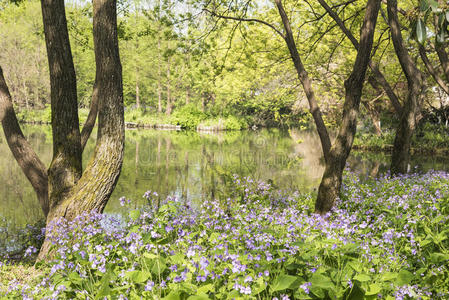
column 375, row 118
column 401, row 150
column 137, row 95
column 305, row 81
column 330, row 185
column 379, row 77
column 66, row 166
column 29, row 162
column 159, row 75
column 94, row 188
column 168, row 108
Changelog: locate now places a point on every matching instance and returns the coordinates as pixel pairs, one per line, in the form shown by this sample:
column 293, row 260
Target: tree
column 415, row 81
column 64, row 190
column 335, row 154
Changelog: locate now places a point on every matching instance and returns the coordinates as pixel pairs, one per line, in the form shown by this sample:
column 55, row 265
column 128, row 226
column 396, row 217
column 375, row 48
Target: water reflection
column 192, row 166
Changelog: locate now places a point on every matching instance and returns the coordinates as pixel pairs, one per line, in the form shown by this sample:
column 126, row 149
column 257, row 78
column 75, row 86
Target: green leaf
column 373, row 289
column 172, row 296
column 362, row 277
column 447, row 16
column 439, row 257
column 404, row 277
column 138, row 276
column 159, row 266
column 421, row 31
column 134, row 214
column 321, row 281
column 441, row 18
column 434, row 5
column 283, row 282
column 205, row 288
column 388, row 276
column 199, row 297
column 317, row 291
column 423, row 5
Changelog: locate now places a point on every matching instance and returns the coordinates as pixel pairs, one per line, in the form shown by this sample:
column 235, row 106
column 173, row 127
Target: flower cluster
column 385, row 238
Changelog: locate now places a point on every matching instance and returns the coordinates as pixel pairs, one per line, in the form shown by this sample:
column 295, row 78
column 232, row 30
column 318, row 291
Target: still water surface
column 193, row 166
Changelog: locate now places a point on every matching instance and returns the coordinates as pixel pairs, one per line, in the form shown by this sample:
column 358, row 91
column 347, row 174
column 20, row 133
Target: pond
column 192, row 166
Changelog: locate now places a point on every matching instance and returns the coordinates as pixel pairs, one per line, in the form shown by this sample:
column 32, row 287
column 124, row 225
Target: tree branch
column 374, row 68
column 431, row 70
column 244, row 20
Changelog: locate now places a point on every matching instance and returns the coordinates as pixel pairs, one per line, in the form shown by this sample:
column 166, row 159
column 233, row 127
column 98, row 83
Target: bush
column 188, row 116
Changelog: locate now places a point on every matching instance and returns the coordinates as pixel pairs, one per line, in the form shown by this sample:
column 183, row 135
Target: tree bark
column 66, row 166
column 305, row 81
column 330, row 184
column 29, row 162
column 401, row 149
column 94, row 188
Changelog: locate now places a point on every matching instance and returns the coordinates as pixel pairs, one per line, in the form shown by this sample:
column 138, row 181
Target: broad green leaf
column 404, row 277
column 373, row 289
column 439, row 257
column 282, row 282
column 205, row 288
column 321, row 281
column 421, row 31
column 362, row 277
column 388, row 276
column 199, row 297
column 447, row 16
column 138, row 276
column 317, row 291
column 172, row 296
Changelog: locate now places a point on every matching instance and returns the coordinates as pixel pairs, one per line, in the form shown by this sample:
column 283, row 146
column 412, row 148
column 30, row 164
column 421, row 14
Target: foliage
column 189, row 116
column 387, row 238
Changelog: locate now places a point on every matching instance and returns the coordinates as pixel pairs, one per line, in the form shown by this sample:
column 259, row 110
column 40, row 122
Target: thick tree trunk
column 66, row 166
column 29, row 162
column 401, row 150
column 94, row 188
column 305, row 81
column 329, row 189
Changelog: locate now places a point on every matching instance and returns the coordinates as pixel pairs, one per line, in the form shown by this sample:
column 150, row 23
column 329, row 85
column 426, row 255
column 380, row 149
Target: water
column 193, row 166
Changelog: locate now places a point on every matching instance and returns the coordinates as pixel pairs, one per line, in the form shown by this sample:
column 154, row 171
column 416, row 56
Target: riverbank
column 386, row 238
column 185, row 118
column 428, row 139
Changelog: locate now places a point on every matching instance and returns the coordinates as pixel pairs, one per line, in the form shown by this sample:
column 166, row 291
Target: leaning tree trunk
column 329, row 189
column 94, row 188
column 401, row 149
column 305, row 81
column 29, row 162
